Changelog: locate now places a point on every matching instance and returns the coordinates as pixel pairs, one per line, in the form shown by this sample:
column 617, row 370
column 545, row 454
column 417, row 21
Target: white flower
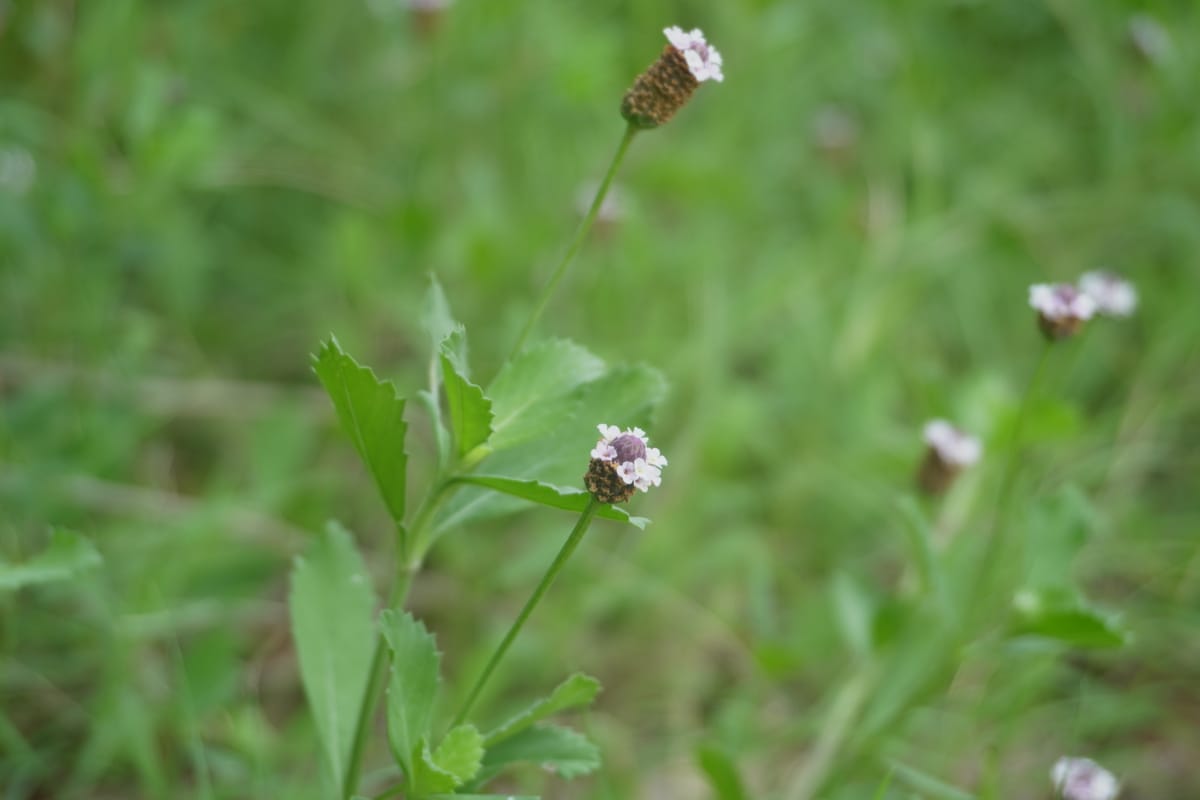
column 647, row 475
column 609, row 432
column 604, row 451
column 1083, row 779
column 1061, row 302
column 628, row 471
column 952, row 446
column 1111, row 294
column 654, row 458
column 703, row 60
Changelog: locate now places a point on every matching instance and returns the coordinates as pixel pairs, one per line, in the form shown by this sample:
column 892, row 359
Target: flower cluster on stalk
column 667, row 84
column 1062, row 308
column 622, row 462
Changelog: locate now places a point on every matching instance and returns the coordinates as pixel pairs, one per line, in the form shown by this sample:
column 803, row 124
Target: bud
column 949, row 452
column 1112, row 295
column 622, row 462
column 1062, row 309
column 668, row 83
column 1083, row 779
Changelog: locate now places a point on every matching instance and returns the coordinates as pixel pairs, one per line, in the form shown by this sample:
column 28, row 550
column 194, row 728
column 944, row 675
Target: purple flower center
column 1066, row 293
column 628, row 447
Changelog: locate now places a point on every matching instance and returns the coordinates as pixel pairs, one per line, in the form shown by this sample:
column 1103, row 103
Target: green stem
column 573, row 540
column 999, row 526
column 410, row 558
column 576, row 243
column 370, row 698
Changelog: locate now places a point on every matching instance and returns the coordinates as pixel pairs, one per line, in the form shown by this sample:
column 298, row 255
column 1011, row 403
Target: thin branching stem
column 576, row 243
column 564, row 553
column 408, row 557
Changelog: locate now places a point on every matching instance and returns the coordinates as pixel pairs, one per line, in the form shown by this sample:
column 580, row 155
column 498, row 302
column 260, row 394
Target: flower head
column 1061, row 308
column 1083, row 779
column 952, row 445
column 621, row 463
column 668, row 83
column 1112, row 295
column 949, row 452
column 702, row 58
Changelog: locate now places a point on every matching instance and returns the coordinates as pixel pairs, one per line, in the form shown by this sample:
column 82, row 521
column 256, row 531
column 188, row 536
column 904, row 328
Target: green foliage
column 722, row 773
column 470, row 408
column 412, row 689
column 1063, row 617
column 577, row 690
column 539, row 388
column 552, row 496
column 372, row 414
column 554, row 748
column 332, row 605
column 455, row 762
column 193, row 193
column 67, row 555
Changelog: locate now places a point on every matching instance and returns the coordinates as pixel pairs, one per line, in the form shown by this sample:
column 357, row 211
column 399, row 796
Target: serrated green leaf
column 722, row 773
column 456, row 761
column 577, row 690
column 413, row 685
column 332, row 604
column 1059, row 615
column 559, row 750
column 373, row 415
column 66, row 555
column 553, row 496
column 537, row 388
column 427, row 776
column 470, row 409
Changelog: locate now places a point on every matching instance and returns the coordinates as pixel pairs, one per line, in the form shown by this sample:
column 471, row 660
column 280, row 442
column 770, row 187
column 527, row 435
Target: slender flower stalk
column 580, row 235
column 564, row 553
column 998, row 534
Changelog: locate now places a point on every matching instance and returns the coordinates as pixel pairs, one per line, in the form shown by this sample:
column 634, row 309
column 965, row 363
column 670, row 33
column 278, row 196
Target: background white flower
column 1112, row 294
column 1060, row 302
column 952, row 445
column 1083, row 779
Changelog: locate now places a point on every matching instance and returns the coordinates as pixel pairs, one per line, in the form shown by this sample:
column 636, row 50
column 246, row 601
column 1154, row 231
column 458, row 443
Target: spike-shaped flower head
column 1113, row 295
column 622, row 462
column 687, row 61
column 1083, row 779
column 1061, row 308
column 949, row 451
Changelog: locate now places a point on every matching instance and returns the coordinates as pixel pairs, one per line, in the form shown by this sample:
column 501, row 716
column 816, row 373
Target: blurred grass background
column 821, row 253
